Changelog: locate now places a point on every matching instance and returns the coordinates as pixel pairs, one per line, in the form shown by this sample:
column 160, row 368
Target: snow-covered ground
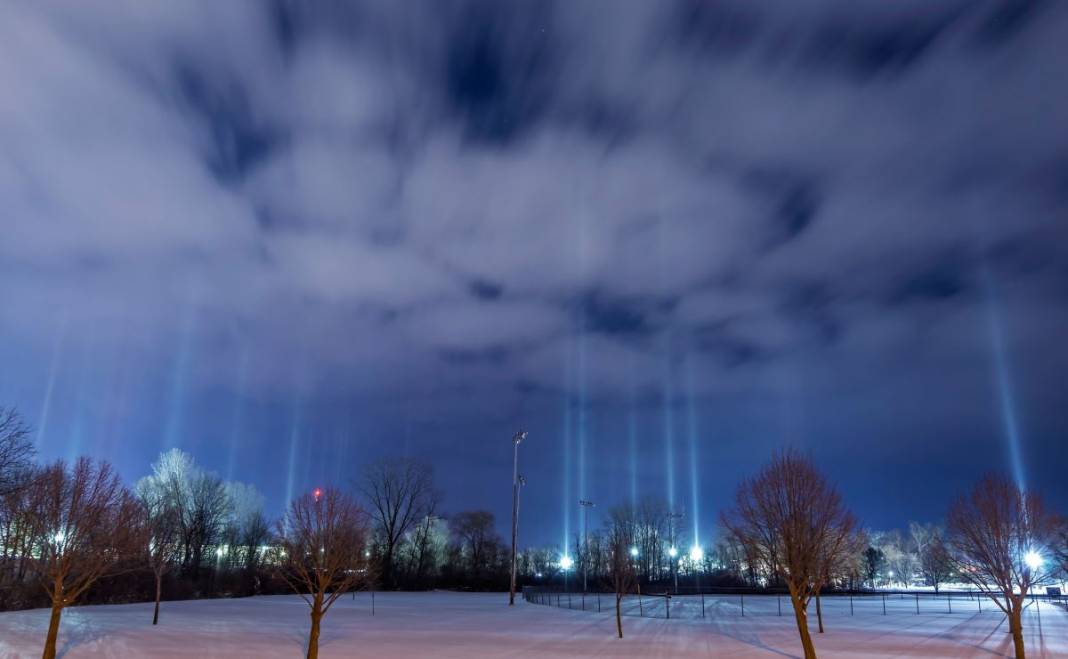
column 481, row 625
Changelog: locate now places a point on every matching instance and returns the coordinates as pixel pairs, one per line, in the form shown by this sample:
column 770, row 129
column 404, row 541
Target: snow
column 470, row 625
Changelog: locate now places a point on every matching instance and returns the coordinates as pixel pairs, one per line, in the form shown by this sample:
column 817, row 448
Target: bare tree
column 622, row 568
column 86, row 525
column 793, row 523
column 935, row 561
column 16, row 451
column 401, row 493
column 162, row 521
column 477, row 539
column 319, row 554
column 996, row 536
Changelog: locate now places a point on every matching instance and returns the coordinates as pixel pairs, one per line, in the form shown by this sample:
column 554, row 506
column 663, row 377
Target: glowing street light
column 672, row 552
column 696, row 554
column 1034, row 560
column 634, row 552
column 317, row 493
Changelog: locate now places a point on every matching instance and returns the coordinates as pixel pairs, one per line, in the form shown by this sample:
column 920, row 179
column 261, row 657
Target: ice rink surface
column 469, row 625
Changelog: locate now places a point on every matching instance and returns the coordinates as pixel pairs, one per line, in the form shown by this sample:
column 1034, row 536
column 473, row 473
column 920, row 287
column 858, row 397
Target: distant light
column 566, row 562
column 890, row 574
column 673, row 552
column 318, row 493
column 367, row 553
column 538, row 575
column 634, row 551
column 1034, row 560
column 219, row 552
column 59, row 538
column 696, row 554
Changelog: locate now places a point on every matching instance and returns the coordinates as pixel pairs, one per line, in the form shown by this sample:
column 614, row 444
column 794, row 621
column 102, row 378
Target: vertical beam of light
column 53, row 370
column 669, row 435
column 294, row 439
column 172, row 433
column 1003, row 382
column 691, row 431
column 632, row 443
column 237, row 417
column 582, row 419
column 566, row 493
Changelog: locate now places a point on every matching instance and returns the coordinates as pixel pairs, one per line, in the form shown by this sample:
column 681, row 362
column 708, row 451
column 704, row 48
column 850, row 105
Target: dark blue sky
column 664, row 237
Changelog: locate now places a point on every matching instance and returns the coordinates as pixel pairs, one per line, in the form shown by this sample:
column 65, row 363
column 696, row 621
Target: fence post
column 598, row 602
column 884, row 604
column 980, row 601
column 949, row 603
column 372, row 602
column 641, row 610
column 583, row 601
column 702, row 605
column 667, row 606
column 850, row 603
column 778, row 601
column 569, row 601
column 917, row 604
column 742, row 597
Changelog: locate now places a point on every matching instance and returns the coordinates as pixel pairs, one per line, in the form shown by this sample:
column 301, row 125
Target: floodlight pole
column 516, row 439
column 586, row 505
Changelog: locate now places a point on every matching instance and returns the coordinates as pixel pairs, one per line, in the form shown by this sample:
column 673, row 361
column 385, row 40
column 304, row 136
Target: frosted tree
column 160, row 542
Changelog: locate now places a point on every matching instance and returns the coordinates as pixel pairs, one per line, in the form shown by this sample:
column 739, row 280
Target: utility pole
column 516, row 440
column 586, row 505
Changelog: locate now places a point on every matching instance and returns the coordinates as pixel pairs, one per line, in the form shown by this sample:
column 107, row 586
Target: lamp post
column 586, row 505
column 516, row 440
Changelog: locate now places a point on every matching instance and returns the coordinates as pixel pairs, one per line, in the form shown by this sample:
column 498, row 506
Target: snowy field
column 481, row 625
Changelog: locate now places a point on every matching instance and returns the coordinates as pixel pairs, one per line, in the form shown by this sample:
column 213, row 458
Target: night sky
column 666, row 238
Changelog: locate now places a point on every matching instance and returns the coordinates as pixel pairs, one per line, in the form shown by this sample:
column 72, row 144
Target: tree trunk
column 53, row 633
column 159, row 591
column 802, row 626
column 1016, row 627
column 313, row 637
column 619, row 615
column 819, row 611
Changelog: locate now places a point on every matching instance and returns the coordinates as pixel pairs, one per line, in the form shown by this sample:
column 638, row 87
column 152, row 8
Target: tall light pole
column 586, row 505
column 516, row 440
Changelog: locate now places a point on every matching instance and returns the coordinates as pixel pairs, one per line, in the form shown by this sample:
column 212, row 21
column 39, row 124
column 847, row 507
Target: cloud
column 383, row 199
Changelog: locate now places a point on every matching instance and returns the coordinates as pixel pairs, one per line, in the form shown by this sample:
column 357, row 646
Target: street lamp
column 634, row 552
column 1034, row 560
column 586, row 505
column 565, row 564
column 516, row 440
column 696, row 554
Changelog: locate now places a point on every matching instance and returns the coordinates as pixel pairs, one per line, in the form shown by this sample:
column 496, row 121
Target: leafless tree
column 935, row 561
column 793, row 523
column 86, row 525
column 400, row 493
column 16, row 451
column 319, row 552
column 996, row 535
column 477, row 539
column 619, row 538
column 161, row 547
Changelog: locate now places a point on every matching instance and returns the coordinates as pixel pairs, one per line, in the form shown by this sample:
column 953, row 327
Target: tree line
column 788, row 529
column 74, row 533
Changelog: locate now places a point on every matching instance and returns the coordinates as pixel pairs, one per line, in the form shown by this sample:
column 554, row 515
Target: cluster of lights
column 697, row 554
column 566, row 563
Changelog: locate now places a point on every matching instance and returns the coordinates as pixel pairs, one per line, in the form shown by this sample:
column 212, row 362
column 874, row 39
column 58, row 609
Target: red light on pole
column 318, row 493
